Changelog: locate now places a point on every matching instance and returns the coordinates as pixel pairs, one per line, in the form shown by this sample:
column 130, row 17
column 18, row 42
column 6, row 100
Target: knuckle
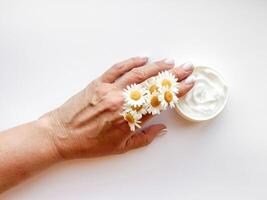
column 93, row 89
column 145, row 138
column 113, row 102
column 147, row 141
column 100, row 91
column 120, row 148
column 108, row 101
column 138, row 74
column 176, row 71
column 117, row 67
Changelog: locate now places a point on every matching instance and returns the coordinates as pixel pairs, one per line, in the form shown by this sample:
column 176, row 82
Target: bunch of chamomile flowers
column 150, row 97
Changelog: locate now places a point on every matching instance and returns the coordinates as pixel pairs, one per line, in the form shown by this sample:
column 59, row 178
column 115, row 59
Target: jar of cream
column 206, row 99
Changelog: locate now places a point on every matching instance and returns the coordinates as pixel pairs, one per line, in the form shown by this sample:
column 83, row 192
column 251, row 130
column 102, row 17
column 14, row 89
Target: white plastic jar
column 207, row 98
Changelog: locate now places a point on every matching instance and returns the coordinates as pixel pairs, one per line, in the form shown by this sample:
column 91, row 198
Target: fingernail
column 143, row 57
column 162, row 132
column 188, row 66
column 190, row 79
column 169, row 61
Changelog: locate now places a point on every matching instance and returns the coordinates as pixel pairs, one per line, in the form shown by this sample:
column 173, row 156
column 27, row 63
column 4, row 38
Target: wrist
column 48, row 131
column 25, row 150
column 64, row 144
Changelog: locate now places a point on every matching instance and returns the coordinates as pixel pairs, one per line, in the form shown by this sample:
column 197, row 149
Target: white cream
column 207, row 98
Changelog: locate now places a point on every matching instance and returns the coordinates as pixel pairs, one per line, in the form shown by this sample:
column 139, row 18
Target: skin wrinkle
column 87, row 111
column 93, row 123
column 87, row 125
column 84, row 117
column 88, row 119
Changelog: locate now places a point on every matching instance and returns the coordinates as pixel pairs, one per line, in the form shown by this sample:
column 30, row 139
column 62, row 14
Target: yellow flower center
column 135, row 95
column 166, row 82
column 129, row 118
column 154, row 101
column 137, row 108
column 153, row 88
column 168, row 96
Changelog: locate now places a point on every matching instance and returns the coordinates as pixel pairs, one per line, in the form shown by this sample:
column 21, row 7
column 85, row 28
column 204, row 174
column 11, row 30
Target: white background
column 51, row 49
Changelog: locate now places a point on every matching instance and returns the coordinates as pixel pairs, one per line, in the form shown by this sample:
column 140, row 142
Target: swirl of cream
column 207, row 98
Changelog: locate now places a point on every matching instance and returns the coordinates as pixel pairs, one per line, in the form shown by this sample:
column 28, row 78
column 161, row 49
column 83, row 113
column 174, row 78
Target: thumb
column 144, row 137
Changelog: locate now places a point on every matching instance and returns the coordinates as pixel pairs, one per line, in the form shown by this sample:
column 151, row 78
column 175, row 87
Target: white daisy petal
column 151, row 85
column 167, row 79
column 134, row 95
column 153, row 104
column 132, row 117
column 139, row 109
column 152, row 96
column 167, row 97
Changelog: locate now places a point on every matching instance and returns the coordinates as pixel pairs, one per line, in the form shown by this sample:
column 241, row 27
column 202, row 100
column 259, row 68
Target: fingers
column 183, row 71
column 145, row 137
column 186, row 85
column 119, row 69
column 185, row 77
column 140, row 74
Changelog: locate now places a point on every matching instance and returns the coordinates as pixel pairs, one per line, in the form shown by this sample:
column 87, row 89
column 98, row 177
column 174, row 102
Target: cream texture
column 207, row 98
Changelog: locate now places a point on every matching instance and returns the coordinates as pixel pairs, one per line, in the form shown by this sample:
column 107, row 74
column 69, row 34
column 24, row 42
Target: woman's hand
column 89, row 124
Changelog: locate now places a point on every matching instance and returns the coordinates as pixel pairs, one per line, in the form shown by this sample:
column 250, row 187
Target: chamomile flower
column 167, row 79
column 167, row 97
column 153, row 104
column 151, row 85
column 139, row 109
column 133, row 119
column 134, row 95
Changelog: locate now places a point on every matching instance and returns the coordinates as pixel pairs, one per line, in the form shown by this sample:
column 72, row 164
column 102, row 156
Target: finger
column 146, row 118
column 183, row 71
column 145, row 137
column 120, row 68
column 186, row 85
column 140, row 74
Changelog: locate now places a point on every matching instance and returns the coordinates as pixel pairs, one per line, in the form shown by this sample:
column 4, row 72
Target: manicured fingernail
column 144, row 57
column 162, row 132
column 169, row 61
column 190, row 79
column 188, row 66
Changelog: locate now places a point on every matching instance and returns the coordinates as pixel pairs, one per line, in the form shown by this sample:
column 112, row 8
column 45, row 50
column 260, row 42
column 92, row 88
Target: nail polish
column 190, row 79
column 162, row 132
column 188, row 66
column 169, row 61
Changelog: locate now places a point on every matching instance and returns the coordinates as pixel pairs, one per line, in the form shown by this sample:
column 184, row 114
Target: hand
column 89, row 124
